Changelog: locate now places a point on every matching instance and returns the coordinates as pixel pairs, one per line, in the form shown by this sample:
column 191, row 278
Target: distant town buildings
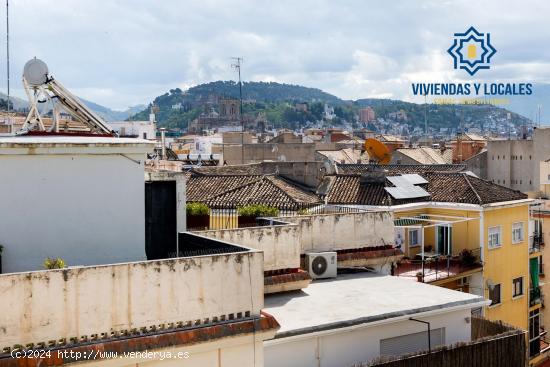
column 367, row 114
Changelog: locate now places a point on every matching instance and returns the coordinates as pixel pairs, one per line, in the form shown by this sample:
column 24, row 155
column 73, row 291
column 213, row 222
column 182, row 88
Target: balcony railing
column 535, row 296
column 535, row 242
column 438, row 267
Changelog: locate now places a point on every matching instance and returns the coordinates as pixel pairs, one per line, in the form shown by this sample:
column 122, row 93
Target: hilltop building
column 367, row 114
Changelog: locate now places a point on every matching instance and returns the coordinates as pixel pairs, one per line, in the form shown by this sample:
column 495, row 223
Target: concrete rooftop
column 360, row 298
column 48, row 140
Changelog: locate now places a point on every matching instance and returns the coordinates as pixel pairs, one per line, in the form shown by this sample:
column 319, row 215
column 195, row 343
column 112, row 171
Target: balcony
column 535, row 296
column 438, row 267
column 535, row 243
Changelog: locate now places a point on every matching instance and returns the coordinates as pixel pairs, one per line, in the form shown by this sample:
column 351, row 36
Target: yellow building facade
column 499, row 233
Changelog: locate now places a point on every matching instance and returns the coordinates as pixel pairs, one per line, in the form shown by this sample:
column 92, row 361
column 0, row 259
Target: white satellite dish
column 35, row 72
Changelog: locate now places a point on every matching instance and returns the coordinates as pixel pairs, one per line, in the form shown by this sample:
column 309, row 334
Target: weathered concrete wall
column 280, row 243
column 329, row 232
column 283, row 244
column 478, row 165
column 290, row 152
column 51, row 305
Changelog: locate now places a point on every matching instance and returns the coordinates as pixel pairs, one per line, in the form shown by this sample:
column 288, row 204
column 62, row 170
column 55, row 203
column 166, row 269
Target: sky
column 120, row 53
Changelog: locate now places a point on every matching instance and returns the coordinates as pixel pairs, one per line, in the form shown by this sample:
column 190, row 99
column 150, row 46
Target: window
column 411, row 343
column 414, row 237
column 494, row 295
column 517, row 232
column 494, row 237
column 144, row 135
column 517, row 287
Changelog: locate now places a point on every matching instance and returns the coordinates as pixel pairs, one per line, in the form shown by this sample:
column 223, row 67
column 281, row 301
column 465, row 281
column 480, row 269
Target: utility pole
column 237, row 66
column 426, row 116
column 8, row 51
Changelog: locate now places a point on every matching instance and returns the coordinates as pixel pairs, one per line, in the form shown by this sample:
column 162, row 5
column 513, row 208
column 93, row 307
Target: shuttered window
column 411, row 343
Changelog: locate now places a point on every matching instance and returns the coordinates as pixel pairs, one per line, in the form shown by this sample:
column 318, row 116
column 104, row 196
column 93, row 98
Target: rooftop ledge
column 56, row 308
column 73, row 145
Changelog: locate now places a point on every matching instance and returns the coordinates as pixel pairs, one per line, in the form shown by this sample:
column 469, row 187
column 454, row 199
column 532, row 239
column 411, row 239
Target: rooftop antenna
column 237, row 65
column 426, row 115
column 8, row 51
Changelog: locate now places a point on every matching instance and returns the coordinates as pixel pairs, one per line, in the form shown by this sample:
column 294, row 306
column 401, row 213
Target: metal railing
column 535, row 296
column 535, row 242
column 227, row 218
column 435, row 267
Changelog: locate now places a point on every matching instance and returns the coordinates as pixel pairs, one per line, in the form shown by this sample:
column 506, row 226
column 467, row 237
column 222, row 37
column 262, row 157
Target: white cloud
column 123, row 52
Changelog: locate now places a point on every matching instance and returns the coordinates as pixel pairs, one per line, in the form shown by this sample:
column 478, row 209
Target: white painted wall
column 346, row 347
column 84, row 204
column 329, row 232
column 283, row 244
column 240, row 351
column 51, row 305
column 280, row 244
column 84, row 209
column 138, row 128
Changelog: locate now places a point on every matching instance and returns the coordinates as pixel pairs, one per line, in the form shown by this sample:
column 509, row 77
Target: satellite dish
column 378, row 151
column 35, row 72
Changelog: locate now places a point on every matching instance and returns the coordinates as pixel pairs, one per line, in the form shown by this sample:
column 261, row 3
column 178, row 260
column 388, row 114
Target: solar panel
column 414, row 179
column 398, row 181
column 407, row 180
column 407, row 192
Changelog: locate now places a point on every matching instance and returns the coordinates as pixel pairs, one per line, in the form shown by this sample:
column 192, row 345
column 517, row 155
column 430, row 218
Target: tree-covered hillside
column 277, row 102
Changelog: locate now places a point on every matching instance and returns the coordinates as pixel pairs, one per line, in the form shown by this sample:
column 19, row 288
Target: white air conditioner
column 321, row 264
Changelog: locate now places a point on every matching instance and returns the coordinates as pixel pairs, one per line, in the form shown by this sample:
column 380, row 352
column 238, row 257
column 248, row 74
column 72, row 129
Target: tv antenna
column 237, row 66
column 8, row 52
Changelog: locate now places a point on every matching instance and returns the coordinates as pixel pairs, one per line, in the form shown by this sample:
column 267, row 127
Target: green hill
column 277, row 101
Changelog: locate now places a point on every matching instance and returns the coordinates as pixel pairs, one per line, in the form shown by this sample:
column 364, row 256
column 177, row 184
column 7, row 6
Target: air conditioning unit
column 321, row 264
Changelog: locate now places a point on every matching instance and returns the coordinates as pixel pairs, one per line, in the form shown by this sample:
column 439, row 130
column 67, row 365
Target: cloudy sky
column 125, row 52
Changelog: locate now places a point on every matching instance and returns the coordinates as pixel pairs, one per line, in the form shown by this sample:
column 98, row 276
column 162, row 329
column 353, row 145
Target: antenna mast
column 8, row 51
column 237, row 66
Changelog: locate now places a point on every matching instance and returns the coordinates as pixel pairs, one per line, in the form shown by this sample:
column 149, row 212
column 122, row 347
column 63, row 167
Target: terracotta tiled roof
column 68, row 354
column 243, row 169
column 400, row 168
column 443, row 187
column 464, row 188
column 348, row 189
column 233, row 191
column 427, row 155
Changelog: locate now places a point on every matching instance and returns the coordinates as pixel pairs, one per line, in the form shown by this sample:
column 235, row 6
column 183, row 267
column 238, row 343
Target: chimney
column 163, row 142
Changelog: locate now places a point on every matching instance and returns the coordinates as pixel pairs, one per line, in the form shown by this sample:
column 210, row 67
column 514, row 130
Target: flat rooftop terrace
column 360, row 298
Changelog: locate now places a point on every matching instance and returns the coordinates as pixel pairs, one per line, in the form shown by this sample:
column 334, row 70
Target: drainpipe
column 429, row 332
